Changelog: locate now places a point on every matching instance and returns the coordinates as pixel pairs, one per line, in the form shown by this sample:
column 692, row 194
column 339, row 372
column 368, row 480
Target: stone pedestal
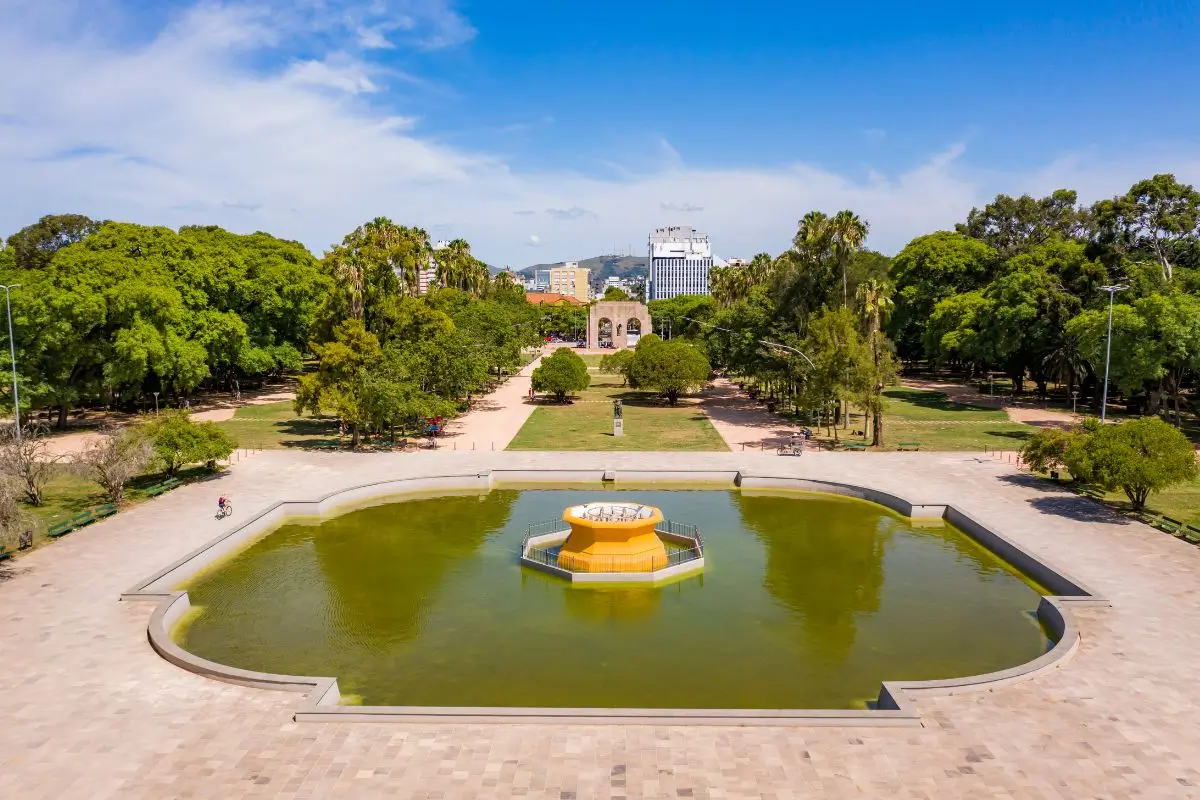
column 618, row 427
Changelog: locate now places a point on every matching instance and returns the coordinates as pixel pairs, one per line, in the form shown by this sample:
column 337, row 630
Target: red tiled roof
column 551, row 297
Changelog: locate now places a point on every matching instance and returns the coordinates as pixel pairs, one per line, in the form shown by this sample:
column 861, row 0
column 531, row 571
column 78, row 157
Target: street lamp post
column 1112, row 291
column 155, row 401
column 12, row 351
column 1074, row 397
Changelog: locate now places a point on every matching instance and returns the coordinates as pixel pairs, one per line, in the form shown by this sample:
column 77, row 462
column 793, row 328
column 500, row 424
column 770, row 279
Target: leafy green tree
column 844, row 371
column 618, row 363
column 33, row 246
column 1158, row 215
column 178, row 441
column 561, row 373
column 675, row 314
column 875, row 304
column 1046, row 450
column 670, row 368
column 1012, row 225
column 616, row 293
column 340, row 384
column 928, row 270
column 1139, row 457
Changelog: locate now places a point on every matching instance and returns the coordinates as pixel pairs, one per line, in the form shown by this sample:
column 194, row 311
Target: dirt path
column 495, row 418
column 742, row 423
column 1025, row 412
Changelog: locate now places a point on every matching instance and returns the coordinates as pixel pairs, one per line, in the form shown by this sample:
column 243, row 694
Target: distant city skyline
column 536, row 130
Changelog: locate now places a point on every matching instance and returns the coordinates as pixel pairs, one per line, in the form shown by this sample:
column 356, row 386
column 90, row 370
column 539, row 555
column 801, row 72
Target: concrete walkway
column 495, row 418
column 90, row 711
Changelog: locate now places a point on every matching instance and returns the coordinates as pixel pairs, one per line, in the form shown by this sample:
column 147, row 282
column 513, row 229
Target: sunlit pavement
column 90, row 711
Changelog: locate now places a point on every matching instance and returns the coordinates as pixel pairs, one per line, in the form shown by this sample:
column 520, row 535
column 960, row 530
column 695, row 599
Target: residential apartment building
column 572, row 280
column 680, row 259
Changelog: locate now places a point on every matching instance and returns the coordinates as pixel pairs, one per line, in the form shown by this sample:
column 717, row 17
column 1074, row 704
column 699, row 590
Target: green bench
column 5, row 555
column 1169, row 525
column 106, row 510
column 64, row 527
column 909, row 446
column 1191, row 533
column 160, row 488
column 854, row 445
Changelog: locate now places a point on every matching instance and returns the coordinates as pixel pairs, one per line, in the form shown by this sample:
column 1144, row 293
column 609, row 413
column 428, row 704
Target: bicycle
column 225, row 511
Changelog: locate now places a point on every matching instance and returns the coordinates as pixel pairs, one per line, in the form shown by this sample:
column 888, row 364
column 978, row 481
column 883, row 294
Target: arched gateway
column 620, row 322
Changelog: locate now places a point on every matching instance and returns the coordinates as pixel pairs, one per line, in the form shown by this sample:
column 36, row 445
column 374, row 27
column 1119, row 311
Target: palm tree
column 847, row 234
column 347, row 268
column 1065, row 362
column 876, row 303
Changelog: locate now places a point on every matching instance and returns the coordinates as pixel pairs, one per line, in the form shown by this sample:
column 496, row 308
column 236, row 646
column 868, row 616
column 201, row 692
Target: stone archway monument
column 621, row 322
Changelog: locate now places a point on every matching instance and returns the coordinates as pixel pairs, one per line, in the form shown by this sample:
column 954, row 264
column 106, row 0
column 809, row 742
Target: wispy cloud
column 181, row 126
column 574, row 212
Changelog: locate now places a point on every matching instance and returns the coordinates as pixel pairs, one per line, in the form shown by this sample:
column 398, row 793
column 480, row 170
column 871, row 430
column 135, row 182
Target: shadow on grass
column 1018, row 435
column 930, row 399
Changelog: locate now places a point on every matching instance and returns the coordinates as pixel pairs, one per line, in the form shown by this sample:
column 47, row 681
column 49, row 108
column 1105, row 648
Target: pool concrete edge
column 895, row 707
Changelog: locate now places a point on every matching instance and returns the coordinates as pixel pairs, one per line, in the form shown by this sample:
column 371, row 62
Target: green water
column 807, row 601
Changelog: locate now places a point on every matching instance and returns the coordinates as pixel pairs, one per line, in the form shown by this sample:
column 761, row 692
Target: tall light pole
column 1112, row 291
column 12, row 351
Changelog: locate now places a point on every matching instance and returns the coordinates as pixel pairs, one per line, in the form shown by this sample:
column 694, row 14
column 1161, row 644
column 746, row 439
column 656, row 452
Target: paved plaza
column 90, row 711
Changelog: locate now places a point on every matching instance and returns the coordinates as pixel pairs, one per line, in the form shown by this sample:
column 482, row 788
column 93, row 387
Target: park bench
column 5, row 555
column 65, row 526
column 1191, row 533
column 1171, row 526
column 106, row 510
column 160, row 488
column 854, row 445
column 909, row 446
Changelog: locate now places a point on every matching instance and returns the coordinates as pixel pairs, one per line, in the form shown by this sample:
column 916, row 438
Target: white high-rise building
column 680, row 259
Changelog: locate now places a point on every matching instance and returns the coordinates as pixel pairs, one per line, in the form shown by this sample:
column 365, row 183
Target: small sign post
column 618, row 423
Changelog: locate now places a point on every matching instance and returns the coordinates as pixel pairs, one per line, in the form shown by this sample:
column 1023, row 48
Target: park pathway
column 742, row 423
column 495, row 418
column 1026, row 412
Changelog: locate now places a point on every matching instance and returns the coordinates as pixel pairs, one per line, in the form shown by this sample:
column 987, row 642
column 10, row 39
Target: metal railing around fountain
column 548, row 555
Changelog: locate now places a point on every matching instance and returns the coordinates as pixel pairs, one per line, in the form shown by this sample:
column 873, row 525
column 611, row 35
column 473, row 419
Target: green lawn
column 275, row 425
column 1180, row 502
column 587, row 424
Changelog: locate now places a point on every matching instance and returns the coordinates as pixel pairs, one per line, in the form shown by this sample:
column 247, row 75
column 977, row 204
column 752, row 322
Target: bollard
column 472, row 445
column 455, row 447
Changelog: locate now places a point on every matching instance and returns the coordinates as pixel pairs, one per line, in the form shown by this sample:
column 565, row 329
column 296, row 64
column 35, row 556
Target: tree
column 33, row 246
column 928, row 270
column 15, row 522
column 618, row 363
column 1159, row 215
column 848, row 233
column 844, row 371
column 876, row 304
column 616, row 293
column 671, row 368
column 177, row 441
column 25, row 459
column 1011, row 225
column 1140, row 457
column 116, row 458
column 340, row 382
column 1046, row 450
column 375, row 260
column 561, row 373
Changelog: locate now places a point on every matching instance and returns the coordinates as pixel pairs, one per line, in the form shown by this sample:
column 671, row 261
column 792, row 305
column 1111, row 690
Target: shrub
column 561, row 373
column 178, row 441
column 671, row 368
column 115, row 459
column 1140, row 457
column 1044, row 451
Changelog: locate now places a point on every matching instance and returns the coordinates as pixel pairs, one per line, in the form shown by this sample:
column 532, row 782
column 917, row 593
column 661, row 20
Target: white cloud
column 182, row 129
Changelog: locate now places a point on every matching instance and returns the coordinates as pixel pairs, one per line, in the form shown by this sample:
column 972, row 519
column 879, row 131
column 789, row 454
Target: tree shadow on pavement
column 1081, row 509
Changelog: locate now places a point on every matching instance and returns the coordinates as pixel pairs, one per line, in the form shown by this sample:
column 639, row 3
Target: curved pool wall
column 893, row 708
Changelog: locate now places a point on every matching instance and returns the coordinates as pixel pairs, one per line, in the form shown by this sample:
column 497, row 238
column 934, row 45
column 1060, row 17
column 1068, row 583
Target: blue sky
column 544, row 131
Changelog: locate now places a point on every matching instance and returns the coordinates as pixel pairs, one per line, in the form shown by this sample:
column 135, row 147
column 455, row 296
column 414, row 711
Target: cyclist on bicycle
column 221, row 502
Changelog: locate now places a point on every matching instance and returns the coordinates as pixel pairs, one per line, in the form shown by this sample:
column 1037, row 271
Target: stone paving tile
column 90, row 711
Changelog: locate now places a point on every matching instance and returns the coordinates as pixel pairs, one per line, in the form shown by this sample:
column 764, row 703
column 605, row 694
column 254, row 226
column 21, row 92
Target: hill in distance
column 602, row 267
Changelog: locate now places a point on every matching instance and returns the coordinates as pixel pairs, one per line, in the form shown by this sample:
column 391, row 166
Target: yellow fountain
column 612, row 537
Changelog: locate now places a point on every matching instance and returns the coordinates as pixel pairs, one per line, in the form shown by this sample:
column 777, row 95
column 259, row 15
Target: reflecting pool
column 807, row 601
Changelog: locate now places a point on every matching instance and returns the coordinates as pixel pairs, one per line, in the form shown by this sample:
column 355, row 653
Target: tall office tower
column 680, row 259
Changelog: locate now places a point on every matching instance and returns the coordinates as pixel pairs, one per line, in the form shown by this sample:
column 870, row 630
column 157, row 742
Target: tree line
column 1018, row 289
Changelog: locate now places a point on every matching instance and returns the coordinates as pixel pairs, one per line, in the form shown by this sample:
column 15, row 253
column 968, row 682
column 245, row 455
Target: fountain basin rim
column 895, row 704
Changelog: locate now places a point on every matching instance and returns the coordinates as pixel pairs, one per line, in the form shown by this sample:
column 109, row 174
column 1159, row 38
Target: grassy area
column 275, row 426
column 587, row 423
column 1180, row 502
column 916, row 415
column 68, row 493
